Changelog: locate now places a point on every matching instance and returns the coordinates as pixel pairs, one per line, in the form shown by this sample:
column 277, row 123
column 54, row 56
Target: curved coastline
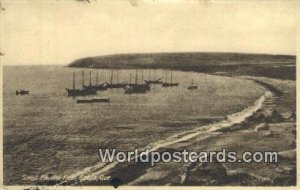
column 205, row 130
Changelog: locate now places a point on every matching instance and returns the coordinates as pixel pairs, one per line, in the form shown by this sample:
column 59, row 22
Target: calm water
column 47, row 132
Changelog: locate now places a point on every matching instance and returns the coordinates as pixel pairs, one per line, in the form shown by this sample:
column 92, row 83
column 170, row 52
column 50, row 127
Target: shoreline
column 245, row 138
column 185, row 137
column 209, row 129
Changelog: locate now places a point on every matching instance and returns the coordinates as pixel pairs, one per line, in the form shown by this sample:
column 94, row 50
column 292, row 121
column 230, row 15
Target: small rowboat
column 192, row 87
column 169, row 84
column 22, row 92
column 94, row 100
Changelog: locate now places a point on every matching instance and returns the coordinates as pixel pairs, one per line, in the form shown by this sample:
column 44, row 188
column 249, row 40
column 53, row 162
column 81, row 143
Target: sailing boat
column 136, row 88
column 154, row 81
column 80, row 92
column 171, row 84
column 192, row 86
column 116, row 85
column 90, row 84
column 97, row 86
column 102, row 86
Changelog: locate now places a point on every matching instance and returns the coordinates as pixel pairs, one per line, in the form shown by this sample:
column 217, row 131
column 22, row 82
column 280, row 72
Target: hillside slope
column 273, row 66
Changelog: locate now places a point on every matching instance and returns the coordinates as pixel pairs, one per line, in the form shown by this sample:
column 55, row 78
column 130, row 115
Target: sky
column 60, row 31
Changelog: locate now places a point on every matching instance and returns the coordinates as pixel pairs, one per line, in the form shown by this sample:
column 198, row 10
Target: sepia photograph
column 148, row 93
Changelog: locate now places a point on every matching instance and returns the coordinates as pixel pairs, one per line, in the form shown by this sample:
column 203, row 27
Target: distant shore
column 227, row 64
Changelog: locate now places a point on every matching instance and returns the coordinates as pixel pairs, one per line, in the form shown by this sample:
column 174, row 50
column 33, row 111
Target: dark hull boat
column 22, row 92
column 169, row 84
column 99, row 87
column 154, row 80
column 80, row 92
column 120, row 85
column 117, row 84
column 158, row 81
column 93, row 100
column 192, row 87
column 146, row 86
column 137, row 89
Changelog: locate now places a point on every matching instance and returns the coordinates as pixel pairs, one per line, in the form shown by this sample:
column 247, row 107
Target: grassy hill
column 229, row 64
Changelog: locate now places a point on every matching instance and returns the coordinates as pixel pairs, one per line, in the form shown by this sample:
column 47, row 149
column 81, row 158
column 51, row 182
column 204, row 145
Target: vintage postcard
column 152, row 93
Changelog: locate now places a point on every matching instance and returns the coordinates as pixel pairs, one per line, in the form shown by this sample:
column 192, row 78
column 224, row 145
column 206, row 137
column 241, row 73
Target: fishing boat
column 102, row 86
column 192, row 86
column 93, row 100
column 120, row 85
column 171, row 84
column 153, row 81
column 136, row 88
column 115, row 85
column 80, row 92
column 97, row 86
column 22, row 92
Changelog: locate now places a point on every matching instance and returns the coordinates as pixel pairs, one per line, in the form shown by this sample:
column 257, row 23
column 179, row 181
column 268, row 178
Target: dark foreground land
column 229, row 64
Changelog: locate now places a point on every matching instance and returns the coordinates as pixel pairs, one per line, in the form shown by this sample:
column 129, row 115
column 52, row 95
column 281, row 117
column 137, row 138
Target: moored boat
column 192, row 86
column 115, row 85
column 153, row 81
column 97, row 86
column 136, row 88
column 169, row 84
column 93, row 100
column 22, row 92
column 156, row 81
column 165, row 84
column 80, row 92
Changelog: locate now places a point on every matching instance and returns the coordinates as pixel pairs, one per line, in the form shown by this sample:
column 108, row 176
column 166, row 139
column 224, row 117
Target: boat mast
column 166, row 76
column 136, row 76
column 74, row 80
column 149, row 75
column 130, row 79
column 82, row 78
column 171, row 76
column 97, row 79
column 90, row 78
column 111, row 76
column 118, row 77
